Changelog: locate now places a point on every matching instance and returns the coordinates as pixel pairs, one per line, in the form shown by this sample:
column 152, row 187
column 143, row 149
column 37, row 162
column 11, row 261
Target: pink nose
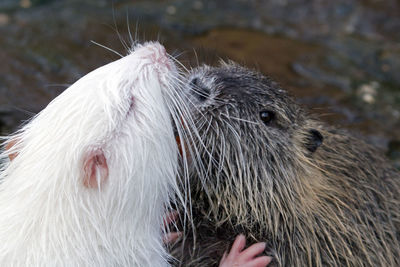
column 155, row 52
column 158, row 48
column 155, row 48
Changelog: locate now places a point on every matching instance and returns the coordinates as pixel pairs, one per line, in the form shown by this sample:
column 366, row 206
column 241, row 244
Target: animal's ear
column 9, row 146
column 95, row 169
column 314, row 140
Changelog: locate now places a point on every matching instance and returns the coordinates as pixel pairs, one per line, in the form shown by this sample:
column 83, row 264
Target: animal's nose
column 155, row 52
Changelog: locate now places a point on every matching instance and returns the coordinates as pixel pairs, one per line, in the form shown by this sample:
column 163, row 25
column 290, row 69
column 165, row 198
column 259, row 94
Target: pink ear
column 95, row 169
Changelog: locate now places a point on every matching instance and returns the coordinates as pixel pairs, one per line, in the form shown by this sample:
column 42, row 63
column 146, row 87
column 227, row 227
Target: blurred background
column 340, row 58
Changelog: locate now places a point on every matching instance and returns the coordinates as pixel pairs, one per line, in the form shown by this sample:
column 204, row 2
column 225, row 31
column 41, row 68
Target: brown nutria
column 315, row 194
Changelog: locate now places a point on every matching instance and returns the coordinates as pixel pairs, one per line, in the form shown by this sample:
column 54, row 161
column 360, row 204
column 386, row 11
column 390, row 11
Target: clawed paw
column 237, row 257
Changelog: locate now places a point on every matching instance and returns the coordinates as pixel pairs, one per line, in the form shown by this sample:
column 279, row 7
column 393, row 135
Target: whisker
column 239, row 119
column 107, row 48
column 129, row 30
column 197, row 58
column 124, row 44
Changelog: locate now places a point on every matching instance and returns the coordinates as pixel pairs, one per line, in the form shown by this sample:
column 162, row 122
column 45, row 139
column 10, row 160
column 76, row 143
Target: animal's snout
column 156, row 53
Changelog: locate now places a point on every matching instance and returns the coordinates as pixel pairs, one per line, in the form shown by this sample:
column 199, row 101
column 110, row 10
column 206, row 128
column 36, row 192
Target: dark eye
column 267, row 116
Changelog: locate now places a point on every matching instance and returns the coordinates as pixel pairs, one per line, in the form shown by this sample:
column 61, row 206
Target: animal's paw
column 237, row 257
column 171, row 237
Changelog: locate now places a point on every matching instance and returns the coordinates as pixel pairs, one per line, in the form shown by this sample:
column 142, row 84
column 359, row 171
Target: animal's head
column 113, row 122
column 254, row 137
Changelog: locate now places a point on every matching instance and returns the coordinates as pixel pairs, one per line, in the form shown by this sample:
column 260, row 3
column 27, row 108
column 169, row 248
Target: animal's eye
column 267, row 116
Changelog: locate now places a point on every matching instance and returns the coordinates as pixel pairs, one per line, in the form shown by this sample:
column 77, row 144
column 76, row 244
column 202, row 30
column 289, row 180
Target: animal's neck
column 69, row 227
column 256, row 199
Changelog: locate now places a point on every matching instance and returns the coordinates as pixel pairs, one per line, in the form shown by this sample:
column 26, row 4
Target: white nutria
column 92, row 173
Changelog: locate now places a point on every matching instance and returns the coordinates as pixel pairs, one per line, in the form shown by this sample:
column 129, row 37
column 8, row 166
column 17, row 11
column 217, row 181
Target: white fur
column 47, row 216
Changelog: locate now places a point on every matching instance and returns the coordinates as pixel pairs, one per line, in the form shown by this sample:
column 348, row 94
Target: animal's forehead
column 242, row 84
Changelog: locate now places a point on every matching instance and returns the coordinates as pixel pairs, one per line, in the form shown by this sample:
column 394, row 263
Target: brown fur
column 336, row 206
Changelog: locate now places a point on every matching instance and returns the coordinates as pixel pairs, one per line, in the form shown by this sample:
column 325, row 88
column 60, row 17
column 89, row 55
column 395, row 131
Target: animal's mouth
column 131, row 104
column 131, row 108
column 178, row 138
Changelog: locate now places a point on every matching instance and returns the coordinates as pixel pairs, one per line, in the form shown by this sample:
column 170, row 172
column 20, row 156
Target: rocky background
column 340, row 58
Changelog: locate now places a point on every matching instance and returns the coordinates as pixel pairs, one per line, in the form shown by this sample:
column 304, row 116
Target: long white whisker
column 107, row 48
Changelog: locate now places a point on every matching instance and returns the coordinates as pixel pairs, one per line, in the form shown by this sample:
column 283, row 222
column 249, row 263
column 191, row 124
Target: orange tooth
column 11, row 156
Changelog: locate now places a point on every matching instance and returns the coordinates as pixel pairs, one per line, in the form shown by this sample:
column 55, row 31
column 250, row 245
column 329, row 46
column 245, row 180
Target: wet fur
column 337, row 206
column 48, row 217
